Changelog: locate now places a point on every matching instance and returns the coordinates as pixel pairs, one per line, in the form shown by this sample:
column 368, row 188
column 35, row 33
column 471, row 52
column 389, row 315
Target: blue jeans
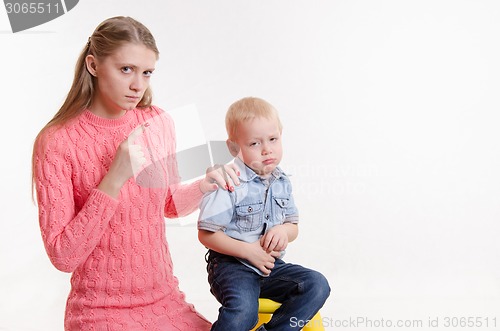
column 301, row 292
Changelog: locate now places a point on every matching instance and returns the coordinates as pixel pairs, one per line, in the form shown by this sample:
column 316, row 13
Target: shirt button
column 267, row 216
column 250, row 209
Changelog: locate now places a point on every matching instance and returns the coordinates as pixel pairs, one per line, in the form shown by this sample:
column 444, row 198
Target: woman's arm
column 69, row 237
column 183, row 199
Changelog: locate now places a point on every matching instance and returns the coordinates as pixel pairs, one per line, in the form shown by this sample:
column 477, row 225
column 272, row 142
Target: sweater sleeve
column 69, row 236
column 181, row 199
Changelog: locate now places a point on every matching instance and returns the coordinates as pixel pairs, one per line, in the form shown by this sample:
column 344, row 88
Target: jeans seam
column 300, row 289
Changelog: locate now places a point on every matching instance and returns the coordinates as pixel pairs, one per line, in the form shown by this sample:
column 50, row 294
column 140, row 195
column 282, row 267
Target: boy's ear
column 233, row 147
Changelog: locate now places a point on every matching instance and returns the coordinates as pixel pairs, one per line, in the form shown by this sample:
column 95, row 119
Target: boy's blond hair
column 247, row 109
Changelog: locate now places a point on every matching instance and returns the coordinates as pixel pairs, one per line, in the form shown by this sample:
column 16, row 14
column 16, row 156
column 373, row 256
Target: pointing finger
column 136, row 133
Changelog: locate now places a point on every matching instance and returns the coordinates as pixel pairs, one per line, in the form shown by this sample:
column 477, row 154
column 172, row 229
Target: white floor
column 33, row 293
column 354, row 305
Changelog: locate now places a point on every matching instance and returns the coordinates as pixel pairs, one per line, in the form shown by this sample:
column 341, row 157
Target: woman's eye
column 126, row 70
column 148, row 73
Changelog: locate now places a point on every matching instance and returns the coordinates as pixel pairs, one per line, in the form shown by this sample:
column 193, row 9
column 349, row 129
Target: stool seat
column 267, row 307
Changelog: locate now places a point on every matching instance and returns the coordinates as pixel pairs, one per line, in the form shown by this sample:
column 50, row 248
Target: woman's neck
column 107, row 113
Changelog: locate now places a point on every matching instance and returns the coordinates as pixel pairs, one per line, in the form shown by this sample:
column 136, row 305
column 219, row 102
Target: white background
column 390, row 112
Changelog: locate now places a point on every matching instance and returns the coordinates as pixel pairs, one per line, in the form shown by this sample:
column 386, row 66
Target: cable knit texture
column 116, row 248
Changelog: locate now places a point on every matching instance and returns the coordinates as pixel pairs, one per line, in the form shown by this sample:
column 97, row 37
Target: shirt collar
column 247, row 174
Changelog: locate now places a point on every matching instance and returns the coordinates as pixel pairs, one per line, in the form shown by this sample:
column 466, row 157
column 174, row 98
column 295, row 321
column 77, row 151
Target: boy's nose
column 266, row 150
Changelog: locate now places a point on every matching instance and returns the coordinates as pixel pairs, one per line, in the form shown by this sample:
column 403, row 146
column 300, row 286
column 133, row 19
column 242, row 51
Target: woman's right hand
column 224, row 176
column 129, row 158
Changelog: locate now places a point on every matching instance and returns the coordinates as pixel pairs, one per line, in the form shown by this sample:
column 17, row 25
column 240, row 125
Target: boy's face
column 259, row 141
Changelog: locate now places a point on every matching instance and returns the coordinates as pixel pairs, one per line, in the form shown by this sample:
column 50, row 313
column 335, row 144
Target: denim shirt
column 251, row 209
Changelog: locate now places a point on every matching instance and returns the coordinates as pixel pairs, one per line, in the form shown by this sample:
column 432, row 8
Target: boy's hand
column 259, row 258
column 276, row 239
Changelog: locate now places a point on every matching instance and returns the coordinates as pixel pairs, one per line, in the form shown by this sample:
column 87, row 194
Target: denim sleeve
column 216, row 211
column 291, row 213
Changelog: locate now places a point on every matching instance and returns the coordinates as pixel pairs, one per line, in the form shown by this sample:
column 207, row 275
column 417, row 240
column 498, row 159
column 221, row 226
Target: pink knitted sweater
column 116, row 249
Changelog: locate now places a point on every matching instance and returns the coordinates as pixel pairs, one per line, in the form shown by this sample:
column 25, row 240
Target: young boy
column 248, row 230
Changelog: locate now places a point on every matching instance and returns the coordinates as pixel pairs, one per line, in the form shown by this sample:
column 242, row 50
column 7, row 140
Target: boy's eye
column 126, row 70
column 254, row 144
column 148, row 73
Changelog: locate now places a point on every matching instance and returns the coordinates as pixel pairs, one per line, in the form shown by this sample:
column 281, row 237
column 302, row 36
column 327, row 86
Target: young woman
column 98, row 220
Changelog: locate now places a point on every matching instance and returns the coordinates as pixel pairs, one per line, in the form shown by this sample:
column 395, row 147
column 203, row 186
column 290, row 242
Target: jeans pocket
column 249, row 216
column 212, row 266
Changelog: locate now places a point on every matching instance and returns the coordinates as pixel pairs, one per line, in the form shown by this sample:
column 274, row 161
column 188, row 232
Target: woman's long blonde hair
column 106, row 39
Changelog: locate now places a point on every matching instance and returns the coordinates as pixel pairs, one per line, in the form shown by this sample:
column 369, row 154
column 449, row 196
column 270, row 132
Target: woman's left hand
column 224, row 176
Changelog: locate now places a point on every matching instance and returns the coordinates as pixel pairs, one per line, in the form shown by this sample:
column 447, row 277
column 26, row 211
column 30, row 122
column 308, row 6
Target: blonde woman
column 105, row 175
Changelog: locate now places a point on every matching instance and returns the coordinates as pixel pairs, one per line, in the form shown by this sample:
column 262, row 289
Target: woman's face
column 121, row 79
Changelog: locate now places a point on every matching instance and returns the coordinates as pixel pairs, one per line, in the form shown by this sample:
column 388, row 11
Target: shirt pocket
column 280, row 206
column 249, row 216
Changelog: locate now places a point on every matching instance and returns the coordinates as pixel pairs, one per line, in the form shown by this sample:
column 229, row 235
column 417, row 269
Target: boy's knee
column 319, row 284
column 242, row 314
column 243, row 305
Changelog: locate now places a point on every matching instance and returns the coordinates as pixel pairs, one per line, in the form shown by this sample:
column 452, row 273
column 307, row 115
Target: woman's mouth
column 132, row 98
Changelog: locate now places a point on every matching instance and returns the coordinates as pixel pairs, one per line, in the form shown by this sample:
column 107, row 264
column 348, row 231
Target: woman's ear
column 233, row 147
column 90, row 63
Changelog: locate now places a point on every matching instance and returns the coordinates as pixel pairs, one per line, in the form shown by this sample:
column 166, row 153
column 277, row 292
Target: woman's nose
column 137, row 83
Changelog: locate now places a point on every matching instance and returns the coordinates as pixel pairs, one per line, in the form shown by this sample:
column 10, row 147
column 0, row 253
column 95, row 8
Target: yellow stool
column 267, row 307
